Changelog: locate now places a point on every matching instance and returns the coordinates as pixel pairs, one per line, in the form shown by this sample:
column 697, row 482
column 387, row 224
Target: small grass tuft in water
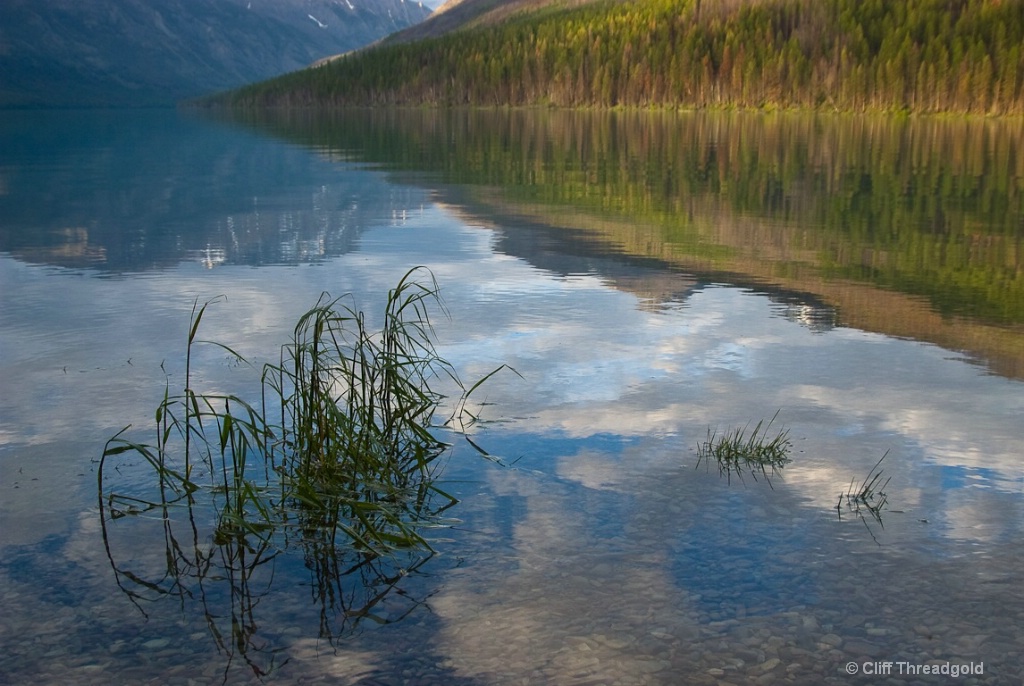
column 343, row 438
column 738, row 452
column 869, row 497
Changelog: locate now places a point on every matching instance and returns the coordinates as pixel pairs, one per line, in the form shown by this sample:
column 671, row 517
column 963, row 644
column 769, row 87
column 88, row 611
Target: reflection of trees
column 909, row 227
column 927, row 207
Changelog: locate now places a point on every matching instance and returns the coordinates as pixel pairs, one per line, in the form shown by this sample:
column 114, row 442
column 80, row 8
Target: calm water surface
column 652, row 278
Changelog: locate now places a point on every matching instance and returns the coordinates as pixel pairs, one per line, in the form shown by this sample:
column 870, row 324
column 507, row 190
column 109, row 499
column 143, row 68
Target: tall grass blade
column 345, row 411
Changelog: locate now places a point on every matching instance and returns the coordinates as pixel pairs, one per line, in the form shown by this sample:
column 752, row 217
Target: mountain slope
column 457, row 15
column 154, row 52
column 913, row 55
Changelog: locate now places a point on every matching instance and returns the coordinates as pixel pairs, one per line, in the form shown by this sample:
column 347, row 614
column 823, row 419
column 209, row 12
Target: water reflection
column 744, row 583
column 809, row 311
column 240, row 584
column 337, row 458
column 602, row 554
column 908, row 227
column 133, row 191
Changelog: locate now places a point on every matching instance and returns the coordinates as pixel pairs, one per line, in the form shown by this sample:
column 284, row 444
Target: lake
column 854, row 285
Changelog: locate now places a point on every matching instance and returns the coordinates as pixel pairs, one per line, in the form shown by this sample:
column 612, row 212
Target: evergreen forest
column 921, row 56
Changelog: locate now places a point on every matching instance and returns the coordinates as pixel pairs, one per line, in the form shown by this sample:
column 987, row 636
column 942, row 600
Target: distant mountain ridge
column 457, row 15
column 155, row 52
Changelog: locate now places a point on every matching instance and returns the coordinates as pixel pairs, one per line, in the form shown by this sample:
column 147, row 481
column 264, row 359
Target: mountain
column 963, row 56
column 156, row 52
column 456, row 15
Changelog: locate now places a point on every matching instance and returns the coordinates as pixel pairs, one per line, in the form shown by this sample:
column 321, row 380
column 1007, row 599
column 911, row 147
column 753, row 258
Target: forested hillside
column 910, row 55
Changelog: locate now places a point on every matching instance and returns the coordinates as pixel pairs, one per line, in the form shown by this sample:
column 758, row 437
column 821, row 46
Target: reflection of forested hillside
column 929, row 207
column 571, row 250
column 923, row 218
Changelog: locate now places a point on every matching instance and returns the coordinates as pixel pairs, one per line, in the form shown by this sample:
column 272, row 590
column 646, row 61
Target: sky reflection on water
column 601, row 551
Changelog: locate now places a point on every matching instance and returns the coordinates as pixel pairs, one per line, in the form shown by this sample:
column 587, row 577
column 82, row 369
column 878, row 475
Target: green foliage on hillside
column 912, row 55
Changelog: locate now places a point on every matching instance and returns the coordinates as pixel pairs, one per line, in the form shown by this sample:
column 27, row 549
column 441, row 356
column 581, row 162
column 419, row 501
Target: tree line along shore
column 922, row 56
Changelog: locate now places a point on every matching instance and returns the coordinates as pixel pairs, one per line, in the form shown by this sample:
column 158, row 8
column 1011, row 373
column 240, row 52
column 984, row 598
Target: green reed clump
column 738, row 452
column 342, row 438
column 869, row 496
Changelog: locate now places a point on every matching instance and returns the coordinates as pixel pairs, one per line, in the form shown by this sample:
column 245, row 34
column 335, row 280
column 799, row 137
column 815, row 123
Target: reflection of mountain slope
column 881, row 224
column 830, row 301
column 570, row 253
column 68, row 247
column 329, row 226
column 921, row 207
column 569, row 249
column 144, row 190
column 908, row 228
